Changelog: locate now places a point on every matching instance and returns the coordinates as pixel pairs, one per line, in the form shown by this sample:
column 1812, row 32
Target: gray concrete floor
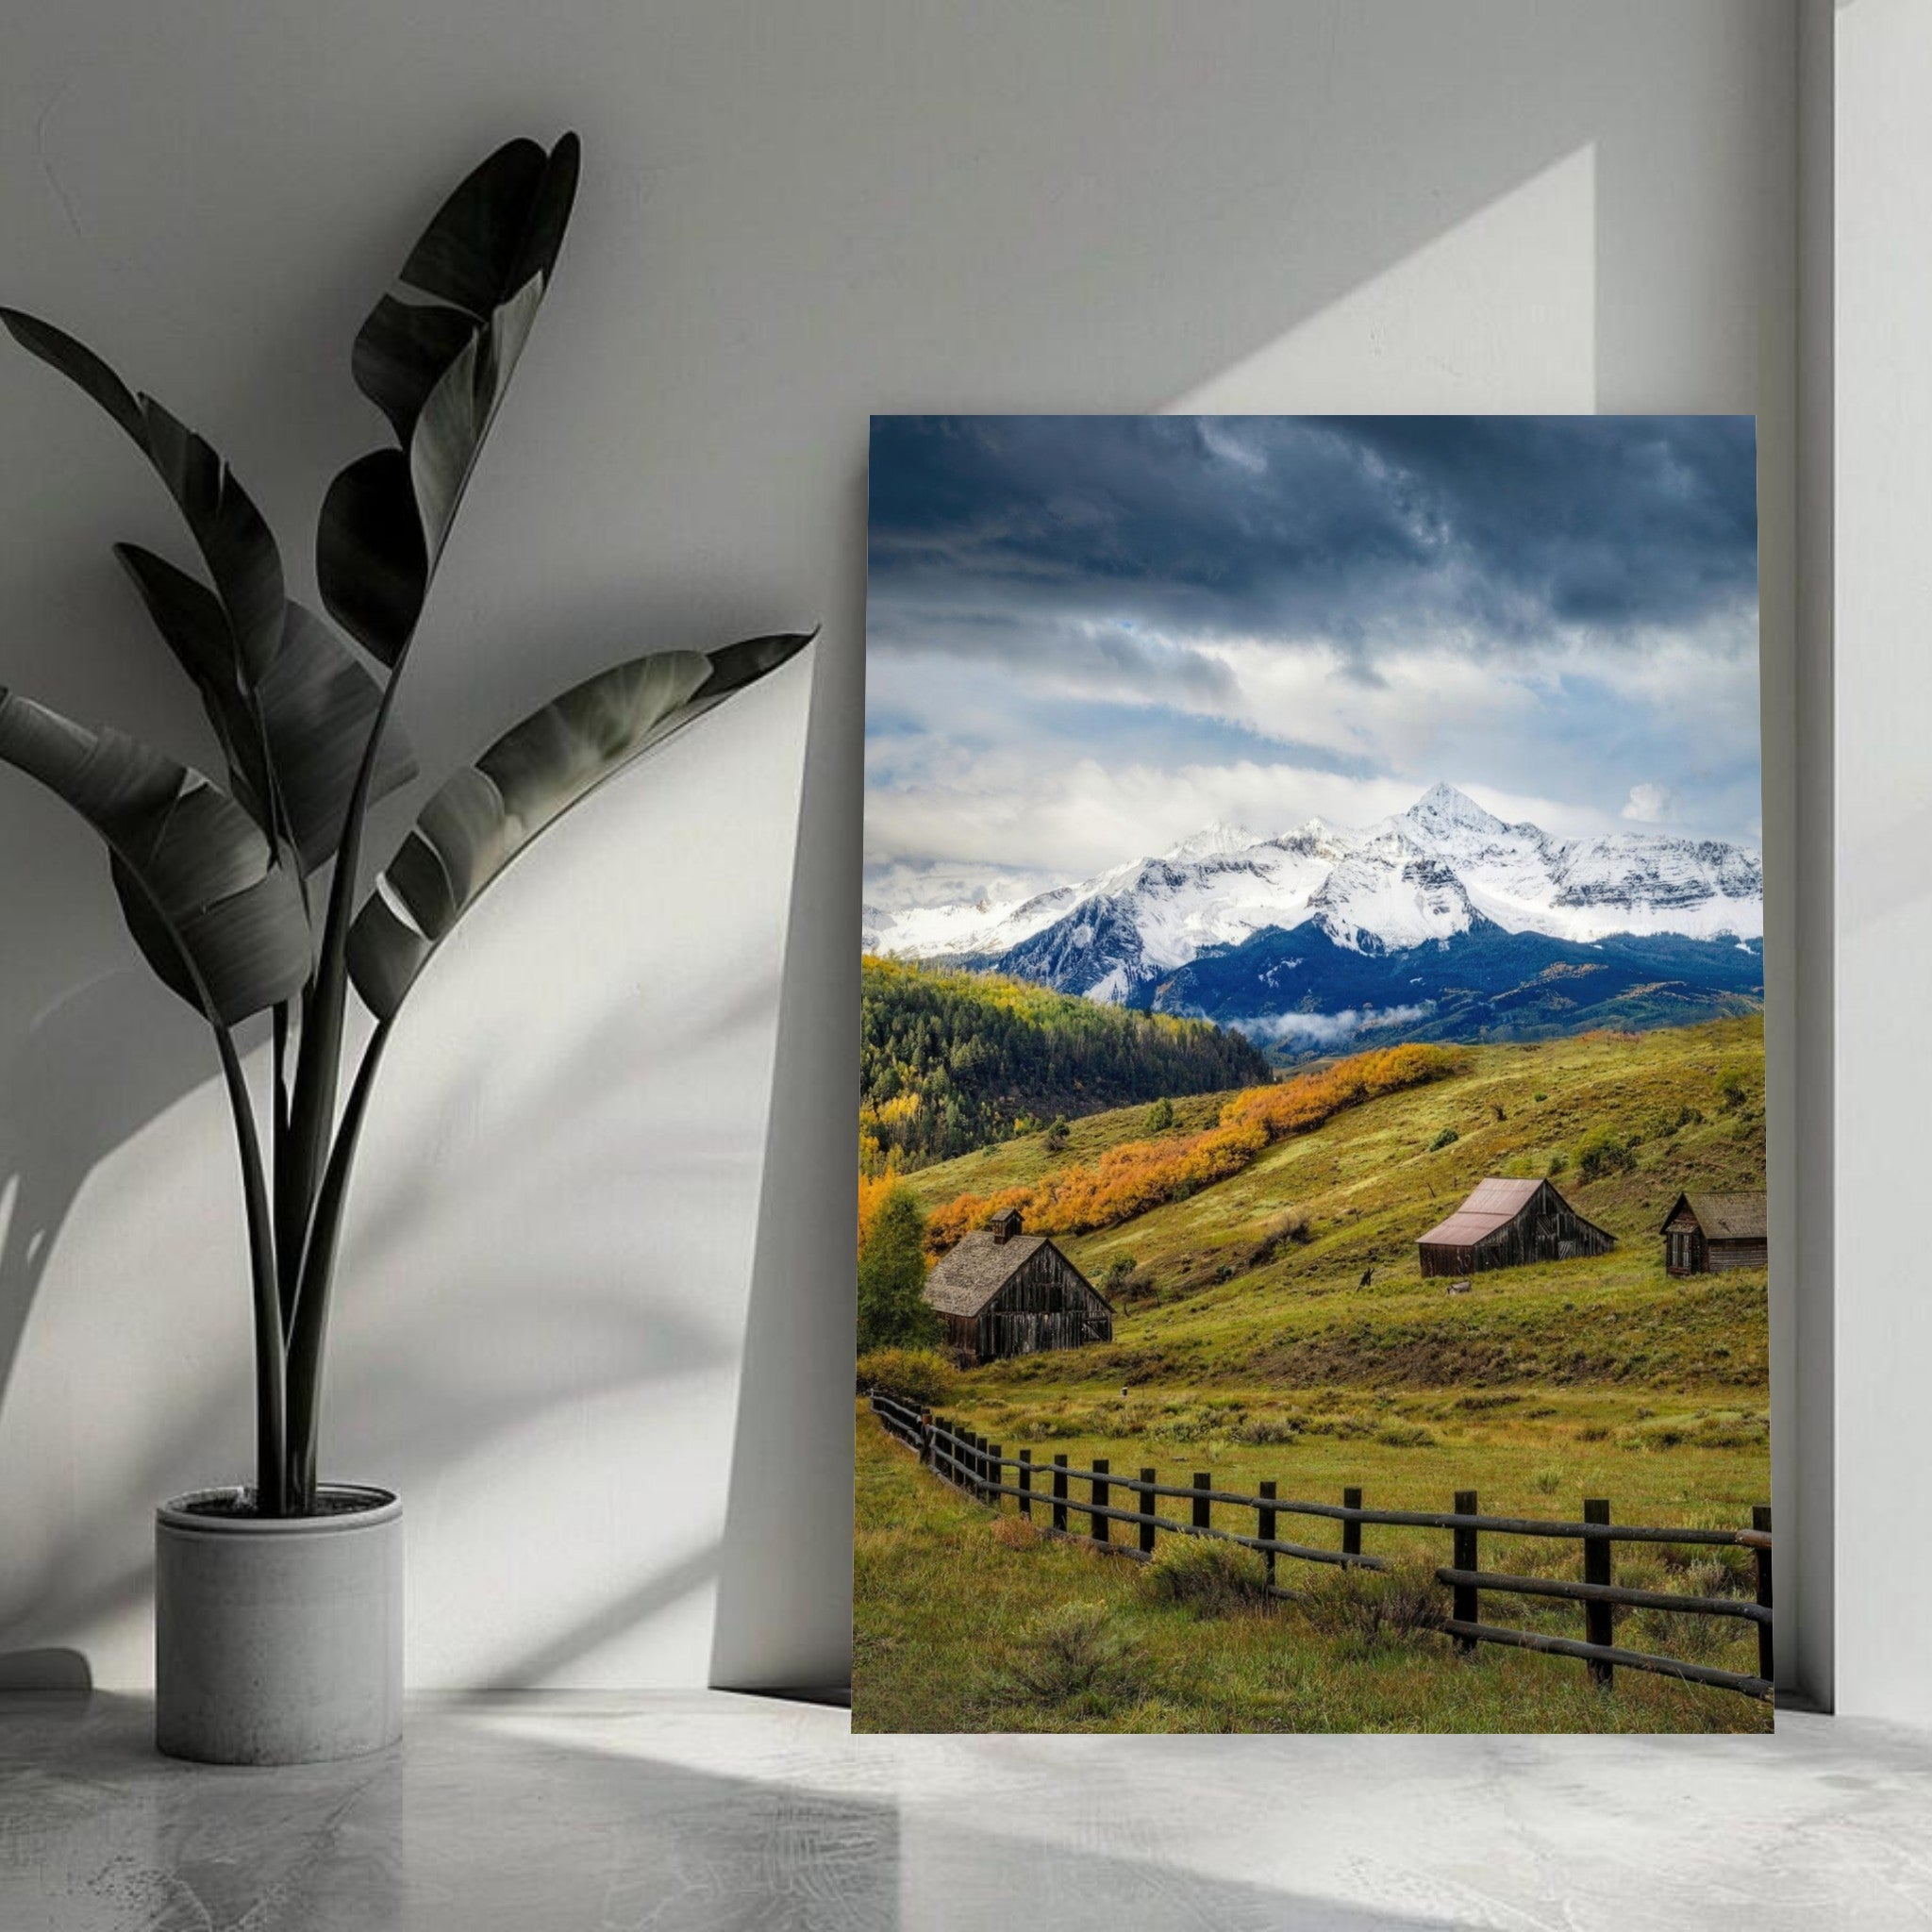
column 703, row 1810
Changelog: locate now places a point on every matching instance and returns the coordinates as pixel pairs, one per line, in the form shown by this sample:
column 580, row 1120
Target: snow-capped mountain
column 1443, row 870
column 1420, row 876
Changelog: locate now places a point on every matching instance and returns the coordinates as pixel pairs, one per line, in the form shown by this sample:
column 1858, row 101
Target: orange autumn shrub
column 872, row 1190
column 1139, row 1176
column 1292, row 1107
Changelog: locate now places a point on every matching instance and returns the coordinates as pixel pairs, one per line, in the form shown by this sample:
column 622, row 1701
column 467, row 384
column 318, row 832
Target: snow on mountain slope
column 1585, row 888
column 1421, row 876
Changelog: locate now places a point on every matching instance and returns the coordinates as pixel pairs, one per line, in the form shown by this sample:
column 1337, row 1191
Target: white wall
column 606, row 1364
column 1883, row 685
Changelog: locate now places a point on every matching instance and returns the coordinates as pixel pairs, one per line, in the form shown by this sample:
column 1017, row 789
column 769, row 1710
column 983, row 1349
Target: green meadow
column 1275, row 1324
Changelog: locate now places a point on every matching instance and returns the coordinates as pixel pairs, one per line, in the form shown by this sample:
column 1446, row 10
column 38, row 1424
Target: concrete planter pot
column 278, row 1642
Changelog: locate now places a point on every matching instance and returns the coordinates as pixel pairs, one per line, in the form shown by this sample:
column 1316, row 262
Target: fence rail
column 981, row 1470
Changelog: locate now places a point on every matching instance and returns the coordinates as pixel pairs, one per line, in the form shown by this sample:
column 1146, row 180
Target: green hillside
column 1241, row 1312
column 1621, row 1122
column 1246, row 1345
column 950, row 1061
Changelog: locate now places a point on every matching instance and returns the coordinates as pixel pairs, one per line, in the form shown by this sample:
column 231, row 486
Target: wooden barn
column 1705, row 1233
column 1509, row 1225
column 1003, row 1292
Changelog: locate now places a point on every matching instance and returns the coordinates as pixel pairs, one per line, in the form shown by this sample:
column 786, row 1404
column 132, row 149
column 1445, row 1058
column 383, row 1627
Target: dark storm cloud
column 1483, row 532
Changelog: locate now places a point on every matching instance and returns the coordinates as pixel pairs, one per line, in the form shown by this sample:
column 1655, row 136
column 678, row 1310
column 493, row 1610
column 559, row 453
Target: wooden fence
column 981, row 1470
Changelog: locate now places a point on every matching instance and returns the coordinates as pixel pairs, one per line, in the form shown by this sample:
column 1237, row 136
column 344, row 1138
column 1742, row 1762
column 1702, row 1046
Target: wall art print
column 1311, row 1218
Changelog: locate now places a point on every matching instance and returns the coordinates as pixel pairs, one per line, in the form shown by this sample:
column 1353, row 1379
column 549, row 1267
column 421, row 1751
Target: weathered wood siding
column 1545, row 1228
column 1047, row 1305
column 961, row 1336
column 1685, row 1251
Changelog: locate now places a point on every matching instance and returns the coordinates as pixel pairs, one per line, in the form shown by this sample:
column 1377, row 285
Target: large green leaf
column 190, row 618
column 213, row 913
column 438, row 370
column 490, row 811
column 234, row 541
column 504, row 225
column 318, row 704
column 308, row 720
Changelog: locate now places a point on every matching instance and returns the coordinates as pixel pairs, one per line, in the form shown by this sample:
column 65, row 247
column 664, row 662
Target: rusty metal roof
column 1491, row 1203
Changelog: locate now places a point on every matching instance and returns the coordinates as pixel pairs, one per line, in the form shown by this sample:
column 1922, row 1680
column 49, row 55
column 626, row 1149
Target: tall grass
column 961, row 1626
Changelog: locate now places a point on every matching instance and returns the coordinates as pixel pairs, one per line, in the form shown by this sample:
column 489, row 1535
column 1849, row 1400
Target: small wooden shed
column 1002, row 1291
column 1705, row 1233
column 1510, row 1223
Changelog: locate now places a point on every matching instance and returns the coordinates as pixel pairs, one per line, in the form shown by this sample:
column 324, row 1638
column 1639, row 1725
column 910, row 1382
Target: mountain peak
column 1213, row 841
column 1442, row 804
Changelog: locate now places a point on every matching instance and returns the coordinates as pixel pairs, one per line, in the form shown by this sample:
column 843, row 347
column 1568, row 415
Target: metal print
column 1312, row 1219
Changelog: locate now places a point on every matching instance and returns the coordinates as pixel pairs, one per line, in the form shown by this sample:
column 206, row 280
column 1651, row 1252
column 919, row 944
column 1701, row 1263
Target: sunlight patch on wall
column 1496, row 315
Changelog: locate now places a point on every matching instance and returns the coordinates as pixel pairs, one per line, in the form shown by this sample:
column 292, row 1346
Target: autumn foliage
column 872, row 1190
column 1141, row 1174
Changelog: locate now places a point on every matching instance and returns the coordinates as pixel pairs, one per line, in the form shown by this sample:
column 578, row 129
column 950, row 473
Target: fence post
column 1598, row 1623
column 1466, row 1604
column 1026, row 1483
column 925, row 1439
column 1351, row 1530
column 1760, row 1519
column 1149, row 1502
column 996, row 1474
column 1059, row 1493
column 1204, row 1479
column 1264, row 1527
column 1097, row 1523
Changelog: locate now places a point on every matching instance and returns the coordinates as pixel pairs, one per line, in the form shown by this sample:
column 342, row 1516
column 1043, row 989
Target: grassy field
column 967, row 1621
column 1247, row 1342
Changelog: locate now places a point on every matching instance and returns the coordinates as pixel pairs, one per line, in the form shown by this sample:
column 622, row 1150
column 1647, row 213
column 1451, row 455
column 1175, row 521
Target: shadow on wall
column 783, row 1548
column 88, row 1075
column 419, row 1407
column 514, row 1310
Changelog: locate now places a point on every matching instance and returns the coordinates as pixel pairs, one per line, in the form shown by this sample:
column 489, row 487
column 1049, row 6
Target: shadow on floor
column 610, row 1812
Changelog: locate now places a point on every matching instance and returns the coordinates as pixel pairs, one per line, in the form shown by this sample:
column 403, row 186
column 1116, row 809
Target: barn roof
column 969, row 1274
column 1737, row 1217
column 1491, row 1203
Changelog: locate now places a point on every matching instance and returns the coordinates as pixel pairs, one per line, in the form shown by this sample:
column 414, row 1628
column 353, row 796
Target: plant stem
column 318, row 1059
column 270, row 1395
column 310, row 1327
column 287, row 1220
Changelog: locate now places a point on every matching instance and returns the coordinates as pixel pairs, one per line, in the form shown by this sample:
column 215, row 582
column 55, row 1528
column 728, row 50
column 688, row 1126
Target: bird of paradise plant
column 248, row 896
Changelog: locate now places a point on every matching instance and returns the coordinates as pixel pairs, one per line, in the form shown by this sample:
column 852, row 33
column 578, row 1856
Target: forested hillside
column 950, row 1061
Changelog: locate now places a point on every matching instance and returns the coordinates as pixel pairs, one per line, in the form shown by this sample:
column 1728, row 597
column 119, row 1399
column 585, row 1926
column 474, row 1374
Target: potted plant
column 279, row 1602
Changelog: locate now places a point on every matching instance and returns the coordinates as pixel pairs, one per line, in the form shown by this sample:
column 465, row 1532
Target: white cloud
column 1325, row 1029
column 1078, row 748
column 1070, row 816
